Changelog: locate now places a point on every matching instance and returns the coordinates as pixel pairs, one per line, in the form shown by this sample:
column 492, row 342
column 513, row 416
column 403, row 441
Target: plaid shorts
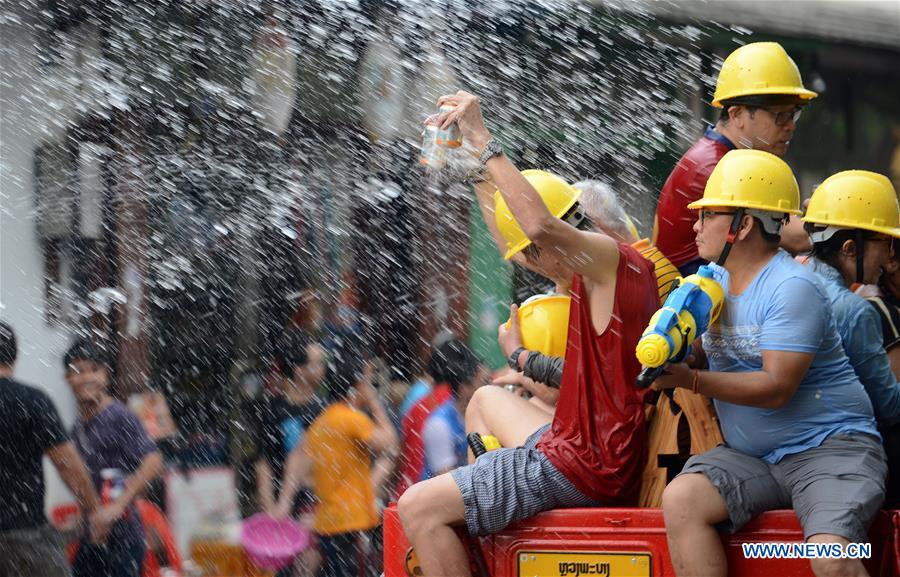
column 506, row 485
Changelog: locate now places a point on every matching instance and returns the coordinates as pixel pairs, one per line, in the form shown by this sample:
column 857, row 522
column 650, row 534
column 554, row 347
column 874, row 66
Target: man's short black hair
column 759, row 101
column 769, row 237
column 828, row 250
column 453, row 363
column 8, row 347
column 84, row 349
column 293, row 350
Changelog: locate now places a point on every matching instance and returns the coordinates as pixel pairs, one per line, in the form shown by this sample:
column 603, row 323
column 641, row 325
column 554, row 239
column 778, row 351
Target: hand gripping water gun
column 690, row 308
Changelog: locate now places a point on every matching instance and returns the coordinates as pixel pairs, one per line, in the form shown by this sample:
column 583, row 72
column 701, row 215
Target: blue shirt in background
column 859, row 325
column 416, row 393
column 444, row 439
column 785, row 308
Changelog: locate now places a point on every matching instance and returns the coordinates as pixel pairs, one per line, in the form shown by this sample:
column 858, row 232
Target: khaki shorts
column 835, row 488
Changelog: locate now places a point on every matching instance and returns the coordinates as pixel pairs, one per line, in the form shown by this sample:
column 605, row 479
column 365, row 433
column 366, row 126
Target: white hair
column 600, row 203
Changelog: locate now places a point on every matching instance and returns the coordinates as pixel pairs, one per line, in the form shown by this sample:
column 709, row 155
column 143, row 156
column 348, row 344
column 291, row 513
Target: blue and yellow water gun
column 690, row 308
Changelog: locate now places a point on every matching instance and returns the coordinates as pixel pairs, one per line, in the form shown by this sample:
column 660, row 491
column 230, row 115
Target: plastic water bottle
column 112, row 487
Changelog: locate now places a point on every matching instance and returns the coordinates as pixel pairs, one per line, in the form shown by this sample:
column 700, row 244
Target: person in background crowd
column 760, row 94
column 162, row 549
column 152, row 408
column 30, row 428
column 794, row 238
column 853, row 218
column 887, row 304
column 397, row 390
column 109, row 436
column 592, row 452
column 424, row 384
column 602, row 205
column 282, row 421
column 419, row 389
column 444, row 433
column 798, row 423
column 336, row 460
column 412, row 458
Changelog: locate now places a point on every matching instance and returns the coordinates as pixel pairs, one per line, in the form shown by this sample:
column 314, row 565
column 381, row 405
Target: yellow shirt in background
column 665, row 270
column 341, row 467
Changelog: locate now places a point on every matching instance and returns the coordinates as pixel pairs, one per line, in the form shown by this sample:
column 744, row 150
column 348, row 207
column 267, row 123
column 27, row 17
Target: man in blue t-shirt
column 798, row 424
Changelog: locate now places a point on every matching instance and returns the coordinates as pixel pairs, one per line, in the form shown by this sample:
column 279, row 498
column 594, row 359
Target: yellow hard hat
column 760, row 68
column 558, row 195
column 751, row 179
column 629, row 224
column 544, row 324
column 856, row 199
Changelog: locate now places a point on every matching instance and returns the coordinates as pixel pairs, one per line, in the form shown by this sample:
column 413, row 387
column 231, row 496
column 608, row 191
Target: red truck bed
column 632, row 543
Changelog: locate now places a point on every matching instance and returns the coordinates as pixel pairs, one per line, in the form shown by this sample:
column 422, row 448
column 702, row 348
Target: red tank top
column 674, row 220
column 598, row 436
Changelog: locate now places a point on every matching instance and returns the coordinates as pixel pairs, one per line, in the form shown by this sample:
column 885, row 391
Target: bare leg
column 692, row 506
column 428, row 512
column 549, row 409
column 510, row 418
column 836, row 567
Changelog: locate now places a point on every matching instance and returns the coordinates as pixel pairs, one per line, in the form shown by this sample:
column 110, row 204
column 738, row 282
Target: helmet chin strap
column 732, row 235
column 860, row 250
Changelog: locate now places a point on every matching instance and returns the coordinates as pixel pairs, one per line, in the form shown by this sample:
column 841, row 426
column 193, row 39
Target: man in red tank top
column 760, row 94
column 593, row 450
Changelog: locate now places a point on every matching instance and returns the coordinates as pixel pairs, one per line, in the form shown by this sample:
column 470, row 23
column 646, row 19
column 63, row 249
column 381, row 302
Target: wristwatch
column 490, row 150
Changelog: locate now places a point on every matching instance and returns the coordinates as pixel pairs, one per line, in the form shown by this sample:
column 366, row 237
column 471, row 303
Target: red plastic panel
column 643, row 531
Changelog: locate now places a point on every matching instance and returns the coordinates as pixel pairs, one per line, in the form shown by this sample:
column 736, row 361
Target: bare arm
column 591, row 254
column 771, row 388
column 382, row 471
column 151, row 468
column 75, row 475
column 297, row 474
column 384, row 438
column 264, row 491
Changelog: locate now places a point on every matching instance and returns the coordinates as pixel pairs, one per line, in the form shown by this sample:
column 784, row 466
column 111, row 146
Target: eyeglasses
column 704, row 214
column 784, row 116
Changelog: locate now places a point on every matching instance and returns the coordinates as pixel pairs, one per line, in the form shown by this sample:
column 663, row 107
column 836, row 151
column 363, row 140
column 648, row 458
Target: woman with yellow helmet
column 853, row 219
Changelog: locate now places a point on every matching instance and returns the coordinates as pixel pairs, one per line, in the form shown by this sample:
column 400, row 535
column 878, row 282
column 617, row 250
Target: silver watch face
column 492, row 149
